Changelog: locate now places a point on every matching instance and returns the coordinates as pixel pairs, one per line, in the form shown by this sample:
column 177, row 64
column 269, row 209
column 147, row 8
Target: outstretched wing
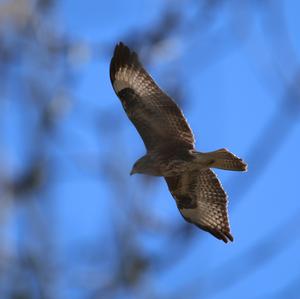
column 202, row 201
column 156, row 117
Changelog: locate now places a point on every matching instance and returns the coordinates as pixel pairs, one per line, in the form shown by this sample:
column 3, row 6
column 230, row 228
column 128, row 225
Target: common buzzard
column 170, row 146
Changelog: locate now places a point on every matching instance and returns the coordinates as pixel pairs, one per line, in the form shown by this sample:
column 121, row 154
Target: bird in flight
column 170, row 146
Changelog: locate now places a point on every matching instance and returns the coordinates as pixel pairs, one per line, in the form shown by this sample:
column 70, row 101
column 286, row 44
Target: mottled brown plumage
column 157, row 118
column 170, row 146
column 201, row 200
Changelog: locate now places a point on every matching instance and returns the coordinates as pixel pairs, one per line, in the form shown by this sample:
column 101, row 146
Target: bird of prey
column 170, row 146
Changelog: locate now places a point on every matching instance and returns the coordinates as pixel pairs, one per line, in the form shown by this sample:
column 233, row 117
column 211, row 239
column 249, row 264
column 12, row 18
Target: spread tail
column 224, row 159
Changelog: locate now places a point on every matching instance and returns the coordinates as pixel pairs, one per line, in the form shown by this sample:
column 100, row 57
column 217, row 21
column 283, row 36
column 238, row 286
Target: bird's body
column 170, row 146
column 173, row 161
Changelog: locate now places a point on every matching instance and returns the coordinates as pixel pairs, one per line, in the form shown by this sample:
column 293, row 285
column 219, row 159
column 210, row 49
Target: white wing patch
column 131, row 77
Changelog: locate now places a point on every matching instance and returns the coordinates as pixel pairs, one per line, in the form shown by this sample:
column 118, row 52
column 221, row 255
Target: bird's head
column 143, row 165
column 138, row 167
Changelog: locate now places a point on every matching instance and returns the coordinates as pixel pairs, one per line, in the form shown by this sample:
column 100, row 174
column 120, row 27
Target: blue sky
column 230, row 101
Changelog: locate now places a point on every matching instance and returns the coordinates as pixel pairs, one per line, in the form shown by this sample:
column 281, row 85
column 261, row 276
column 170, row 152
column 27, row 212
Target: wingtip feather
column 225, row 236
column 122, row 56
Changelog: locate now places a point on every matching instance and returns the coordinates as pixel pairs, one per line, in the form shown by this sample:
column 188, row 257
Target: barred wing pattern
column 202, row 201
column 158, row 119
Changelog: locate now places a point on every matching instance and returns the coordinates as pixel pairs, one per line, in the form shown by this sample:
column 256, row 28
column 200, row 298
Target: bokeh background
column 73, row 223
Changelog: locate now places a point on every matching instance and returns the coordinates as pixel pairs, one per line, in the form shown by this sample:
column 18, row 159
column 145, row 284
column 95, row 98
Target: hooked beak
column 132, row 172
